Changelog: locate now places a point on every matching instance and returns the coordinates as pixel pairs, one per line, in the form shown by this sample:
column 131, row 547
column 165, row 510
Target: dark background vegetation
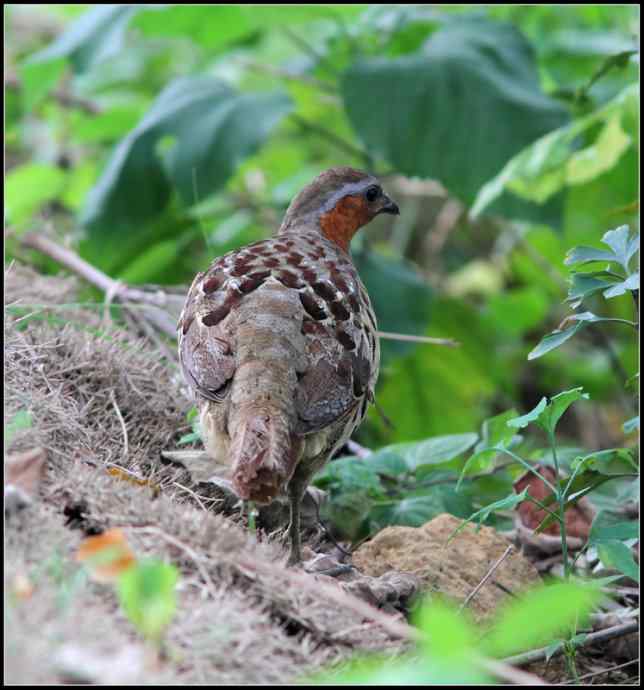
column 152, row 139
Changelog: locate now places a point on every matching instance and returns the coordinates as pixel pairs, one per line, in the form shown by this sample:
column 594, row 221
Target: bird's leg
column 296, row 488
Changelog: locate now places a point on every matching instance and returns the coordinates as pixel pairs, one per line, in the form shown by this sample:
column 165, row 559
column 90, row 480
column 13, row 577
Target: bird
column 278, row 342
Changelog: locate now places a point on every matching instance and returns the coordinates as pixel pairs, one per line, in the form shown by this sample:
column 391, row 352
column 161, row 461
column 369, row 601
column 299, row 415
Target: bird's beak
column 389, row 206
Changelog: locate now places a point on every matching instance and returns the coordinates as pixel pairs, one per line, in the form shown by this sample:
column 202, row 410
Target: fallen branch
column 592, row 638
column 155, row 304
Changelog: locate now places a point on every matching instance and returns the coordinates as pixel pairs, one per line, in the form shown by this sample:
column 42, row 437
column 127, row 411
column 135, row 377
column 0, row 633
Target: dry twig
column 489, row 573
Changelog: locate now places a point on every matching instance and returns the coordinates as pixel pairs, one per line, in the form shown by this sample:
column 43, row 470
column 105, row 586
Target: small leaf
column 558, row 405
column 553, row 648
column 631, row 283
column 584, row 255
column 615, row 554
column 532, row 416
column 506, row 503
column 623, row 247
column 148, row 596
column 538, row 616
column 554, row 340
column 584, row 285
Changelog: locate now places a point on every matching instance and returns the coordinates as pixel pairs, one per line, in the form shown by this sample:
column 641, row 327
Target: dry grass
column 98, row 395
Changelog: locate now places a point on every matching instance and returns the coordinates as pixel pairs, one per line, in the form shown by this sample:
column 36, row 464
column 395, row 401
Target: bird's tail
column 263, row 453
column 263, row 450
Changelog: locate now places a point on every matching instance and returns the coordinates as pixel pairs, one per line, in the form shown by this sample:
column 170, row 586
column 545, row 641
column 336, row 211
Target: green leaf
column 350, row 474
column 631, row 283
column 481, row 515
column 554, row 340
column 93, row 38
column 212, row 129
column 440, row 126
column 610, row 461
column 558, row 405
column 553, row 161
column 538, row 617
column 435, row 450
column 495, row 435
column 614, row 554
column 387, row 463
column 532, row 416
column 584, row 285
column 413, row 511
column 147, row 594
column 28, row 187
column 584, row 255
column 607, row 526
column 623, row 246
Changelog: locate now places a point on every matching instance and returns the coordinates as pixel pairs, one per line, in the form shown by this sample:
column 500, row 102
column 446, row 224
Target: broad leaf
column 212, row 129
column 615, row 554
column 440, row 126
column 607, row 526
column 94, row 37
column 553, row 161
column 435, row 450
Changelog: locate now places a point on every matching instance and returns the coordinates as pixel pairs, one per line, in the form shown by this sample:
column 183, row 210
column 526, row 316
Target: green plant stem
column 529, row 467
column 561, row 497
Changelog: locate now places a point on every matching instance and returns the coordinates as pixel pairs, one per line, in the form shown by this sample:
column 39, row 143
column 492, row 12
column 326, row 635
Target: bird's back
column 278, row 339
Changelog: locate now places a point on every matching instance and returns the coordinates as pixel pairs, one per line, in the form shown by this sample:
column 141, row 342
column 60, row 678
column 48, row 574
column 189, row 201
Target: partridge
column 278, row 341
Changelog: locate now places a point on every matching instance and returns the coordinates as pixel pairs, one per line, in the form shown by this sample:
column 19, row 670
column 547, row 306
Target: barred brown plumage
column 278, row 340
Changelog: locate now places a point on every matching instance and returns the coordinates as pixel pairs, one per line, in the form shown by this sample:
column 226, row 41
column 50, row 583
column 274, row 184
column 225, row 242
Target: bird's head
column 338, row 202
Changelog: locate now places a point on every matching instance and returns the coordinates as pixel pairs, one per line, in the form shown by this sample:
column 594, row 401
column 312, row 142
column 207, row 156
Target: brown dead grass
column 98, row 397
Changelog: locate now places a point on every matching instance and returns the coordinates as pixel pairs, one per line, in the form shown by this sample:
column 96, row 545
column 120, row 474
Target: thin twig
column 606, row 670
column 126, row 445
column 447, row 342
column 489, row 573
column 592, row 638
column 325, row 86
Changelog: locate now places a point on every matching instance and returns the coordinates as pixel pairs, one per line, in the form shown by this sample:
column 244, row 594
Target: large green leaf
column 28, row 187
column 456, row 111
column 94, row 37
column 553, row 161
column 210, row 129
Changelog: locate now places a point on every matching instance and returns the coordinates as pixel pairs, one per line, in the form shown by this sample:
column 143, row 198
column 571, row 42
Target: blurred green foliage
column 154, row 138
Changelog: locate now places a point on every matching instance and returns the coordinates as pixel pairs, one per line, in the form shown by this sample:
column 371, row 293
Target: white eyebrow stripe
column 346, row 190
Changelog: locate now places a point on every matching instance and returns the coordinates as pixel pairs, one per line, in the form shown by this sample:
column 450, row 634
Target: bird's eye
column 373, row 193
